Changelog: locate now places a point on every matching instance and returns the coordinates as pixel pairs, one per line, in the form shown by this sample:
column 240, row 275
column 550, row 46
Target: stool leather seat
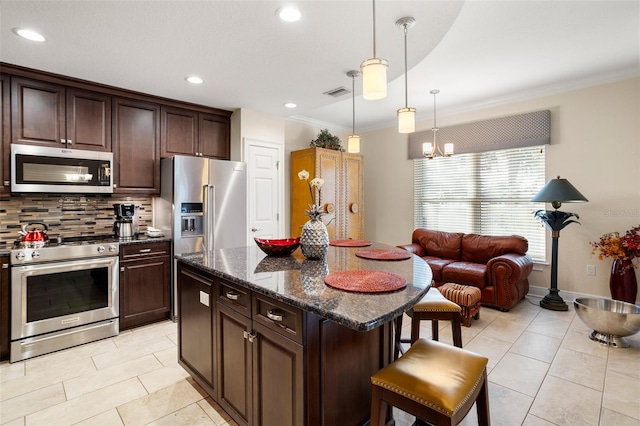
column 440, row 377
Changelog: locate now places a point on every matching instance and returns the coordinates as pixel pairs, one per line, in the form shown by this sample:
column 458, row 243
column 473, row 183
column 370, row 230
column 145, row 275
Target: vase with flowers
column 314, row 240
column 623, row 249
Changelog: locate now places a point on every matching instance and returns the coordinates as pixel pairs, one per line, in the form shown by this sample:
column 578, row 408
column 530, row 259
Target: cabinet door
column 136, row 138
column 37, row 112
column 4, row 308
column 352, row 223
column 144, row 291
column 195, row 325
column 88, row 120
column 214, row 137
column 179, row 132
column 234, row 363
column 278, row 379
column 328, row 168
column 5, row 134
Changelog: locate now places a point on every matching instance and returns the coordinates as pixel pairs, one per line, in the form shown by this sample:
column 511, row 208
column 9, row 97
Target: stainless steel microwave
column 60, row 170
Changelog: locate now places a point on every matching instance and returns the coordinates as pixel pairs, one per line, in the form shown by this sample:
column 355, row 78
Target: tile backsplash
column 66, row 216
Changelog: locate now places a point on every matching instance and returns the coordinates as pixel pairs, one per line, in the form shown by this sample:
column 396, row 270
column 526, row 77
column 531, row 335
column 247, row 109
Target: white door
column 265, row 175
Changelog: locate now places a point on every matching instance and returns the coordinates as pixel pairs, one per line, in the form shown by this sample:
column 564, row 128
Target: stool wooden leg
column 415, row 326
column 396, row 337
column 378, row 407
column 482, row 404
column 435, row 332
column 457, row 331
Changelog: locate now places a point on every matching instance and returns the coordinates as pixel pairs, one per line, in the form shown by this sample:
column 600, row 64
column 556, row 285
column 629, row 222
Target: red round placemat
column 350, row 243
column 384, row 254
column 365, row 281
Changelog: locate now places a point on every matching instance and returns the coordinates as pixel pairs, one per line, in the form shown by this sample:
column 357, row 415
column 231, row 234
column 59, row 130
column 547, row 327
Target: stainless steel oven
column 61, row 296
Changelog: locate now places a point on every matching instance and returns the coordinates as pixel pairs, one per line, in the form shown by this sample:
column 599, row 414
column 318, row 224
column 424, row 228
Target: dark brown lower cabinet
column 274, row 364
column 5, row 317
column 196, row 330
column 145, row 280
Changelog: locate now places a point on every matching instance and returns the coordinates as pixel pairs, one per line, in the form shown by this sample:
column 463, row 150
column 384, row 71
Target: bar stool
column 436, row 382
column 433, row 306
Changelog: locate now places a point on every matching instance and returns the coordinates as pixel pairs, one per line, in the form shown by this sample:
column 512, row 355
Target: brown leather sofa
column 498, row 266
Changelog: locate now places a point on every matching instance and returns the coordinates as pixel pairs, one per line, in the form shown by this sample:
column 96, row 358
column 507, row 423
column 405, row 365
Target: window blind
column 484, row 193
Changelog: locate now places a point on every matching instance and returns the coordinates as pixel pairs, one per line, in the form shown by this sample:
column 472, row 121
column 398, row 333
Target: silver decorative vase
column 314, row 240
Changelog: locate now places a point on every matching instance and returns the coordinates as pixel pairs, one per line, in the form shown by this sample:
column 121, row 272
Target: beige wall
column 595, row 143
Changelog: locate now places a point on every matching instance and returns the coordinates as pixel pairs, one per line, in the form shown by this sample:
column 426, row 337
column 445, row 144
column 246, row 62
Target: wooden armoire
column 341, row 196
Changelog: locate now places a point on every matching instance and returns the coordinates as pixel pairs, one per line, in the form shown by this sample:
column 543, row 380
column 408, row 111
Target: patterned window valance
column 515, row 131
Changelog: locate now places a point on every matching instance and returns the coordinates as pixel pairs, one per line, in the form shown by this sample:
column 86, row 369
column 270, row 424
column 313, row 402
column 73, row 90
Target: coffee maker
column 125, row 225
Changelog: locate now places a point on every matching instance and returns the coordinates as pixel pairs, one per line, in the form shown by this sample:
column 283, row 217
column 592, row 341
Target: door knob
column 255, row 229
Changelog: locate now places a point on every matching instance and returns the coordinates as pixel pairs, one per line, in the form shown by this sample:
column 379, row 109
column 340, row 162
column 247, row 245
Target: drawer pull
column 232, row 295
column 275, row 315
column 145, row 250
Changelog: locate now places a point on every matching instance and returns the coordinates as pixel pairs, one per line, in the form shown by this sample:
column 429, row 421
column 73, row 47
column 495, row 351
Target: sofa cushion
column 482, row 248
column 436, row 264
column 446, row 245
column 467, row 273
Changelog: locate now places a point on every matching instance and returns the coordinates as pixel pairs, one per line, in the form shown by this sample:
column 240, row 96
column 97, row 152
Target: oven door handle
column 66, row 266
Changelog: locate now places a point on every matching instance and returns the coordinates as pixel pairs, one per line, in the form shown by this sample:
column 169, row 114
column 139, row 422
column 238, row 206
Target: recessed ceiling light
column 194, row 79
column 29, row 34
column 289, row 13
column 290, row 105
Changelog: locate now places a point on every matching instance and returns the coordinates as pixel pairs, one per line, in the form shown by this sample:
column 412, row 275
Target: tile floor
column 543, row 370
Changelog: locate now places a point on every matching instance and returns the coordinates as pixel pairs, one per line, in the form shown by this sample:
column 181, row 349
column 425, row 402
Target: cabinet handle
column 275, row 315
column 232, row 295
column 249, row 336
column 122, row 269
column 69, row 141
column 63, row 141
column 145, row 250
column 5, row 266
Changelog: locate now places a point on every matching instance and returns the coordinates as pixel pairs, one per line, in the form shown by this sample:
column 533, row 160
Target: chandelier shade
column 353, row 140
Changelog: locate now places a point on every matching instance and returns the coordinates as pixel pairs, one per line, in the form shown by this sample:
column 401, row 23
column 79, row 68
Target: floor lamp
column 556, row 192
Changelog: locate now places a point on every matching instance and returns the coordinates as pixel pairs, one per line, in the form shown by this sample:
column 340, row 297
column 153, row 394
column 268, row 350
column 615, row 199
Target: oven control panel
column 63, row 252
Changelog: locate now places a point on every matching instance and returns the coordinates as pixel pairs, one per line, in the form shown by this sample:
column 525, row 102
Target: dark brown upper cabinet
column 188, row 132
column 5, row 134
column 49, row 114
column 136, row 146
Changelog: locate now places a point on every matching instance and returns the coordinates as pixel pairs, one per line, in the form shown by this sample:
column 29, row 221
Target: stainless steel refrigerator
column 202, row 206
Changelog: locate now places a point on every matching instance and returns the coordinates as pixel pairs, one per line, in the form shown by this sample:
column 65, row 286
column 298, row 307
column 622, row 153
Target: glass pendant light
column 374, row 71
column 406, row 115
column 353, row 140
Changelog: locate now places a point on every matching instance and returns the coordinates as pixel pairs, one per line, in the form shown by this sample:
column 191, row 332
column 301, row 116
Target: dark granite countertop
column 300, row 282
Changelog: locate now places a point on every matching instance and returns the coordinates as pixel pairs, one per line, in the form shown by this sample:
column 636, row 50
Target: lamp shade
column 374, row 79
column 558, row 191
column 353, row 144
column 406, row 120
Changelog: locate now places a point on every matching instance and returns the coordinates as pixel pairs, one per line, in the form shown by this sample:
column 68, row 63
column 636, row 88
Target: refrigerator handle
column 212, row 217
column 205, row 230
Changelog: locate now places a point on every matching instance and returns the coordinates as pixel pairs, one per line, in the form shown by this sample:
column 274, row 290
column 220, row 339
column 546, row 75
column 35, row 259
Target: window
column 484, row 193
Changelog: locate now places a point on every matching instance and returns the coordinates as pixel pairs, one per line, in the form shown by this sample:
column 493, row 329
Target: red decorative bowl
column 278, row 247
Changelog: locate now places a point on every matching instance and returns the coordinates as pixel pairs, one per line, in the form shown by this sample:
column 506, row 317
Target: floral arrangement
column 616, row 246
column 315, row 186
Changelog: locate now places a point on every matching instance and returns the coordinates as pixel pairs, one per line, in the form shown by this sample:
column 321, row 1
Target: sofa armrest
column 509, row 267
column 414, row 248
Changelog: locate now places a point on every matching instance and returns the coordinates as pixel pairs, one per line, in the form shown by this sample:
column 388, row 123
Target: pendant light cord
column 374, row 28
column 353, row 97
column 406, row 84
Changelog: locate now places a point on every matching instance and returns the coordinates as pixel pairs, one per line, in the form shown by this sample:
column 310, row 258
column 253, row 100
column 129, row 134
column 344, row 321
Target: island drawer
column 236, row 297
column 279, row 317
column 136, row 251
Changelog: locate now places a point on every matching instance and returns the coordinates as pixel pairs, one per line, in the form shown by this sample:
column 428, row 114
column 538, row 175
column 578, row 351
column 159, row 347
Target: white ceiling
column 477, row 53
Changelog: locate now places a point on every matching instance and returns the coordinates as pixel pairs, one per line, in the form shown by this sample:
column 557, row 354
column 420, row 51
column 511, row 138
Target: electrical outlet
column 591, row 270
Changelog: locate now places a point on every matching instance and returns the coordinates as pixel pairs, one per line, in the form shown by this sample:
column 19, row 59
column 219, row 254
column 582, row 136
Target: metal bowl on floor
column 611, row 320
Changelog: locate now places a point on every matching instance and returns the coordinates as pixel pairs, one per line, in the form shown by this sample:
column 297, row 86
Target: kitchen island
column 274, row 345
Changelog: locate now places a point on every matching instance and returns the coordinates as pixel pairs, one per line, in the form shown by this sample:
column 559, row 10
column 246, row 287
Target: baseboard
column 568, row 296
